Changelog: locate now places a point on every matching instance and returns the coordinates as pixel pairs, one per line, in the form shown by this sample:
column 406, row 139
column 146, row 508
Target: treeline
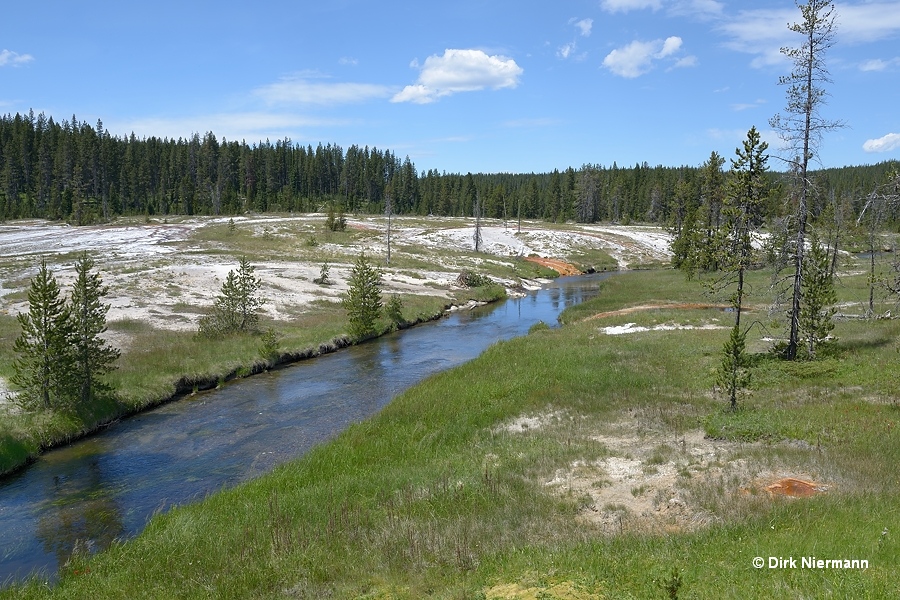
column 81, row 173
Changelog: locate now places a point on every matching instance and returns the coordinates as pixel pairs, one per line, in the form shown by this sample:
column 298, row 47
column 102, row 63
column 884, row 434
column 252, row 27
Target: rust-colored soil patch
column 795, row 488
column 633, row 309
column 561, row 267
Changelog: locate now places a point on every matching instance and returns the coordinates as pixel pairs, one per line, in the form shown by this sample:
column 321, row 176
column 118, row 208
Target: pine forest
column 80, row 173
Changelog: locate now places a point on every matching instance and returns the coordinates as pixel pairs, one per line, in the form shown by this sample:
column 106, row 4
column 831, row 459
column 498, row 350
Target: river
column 109, row 485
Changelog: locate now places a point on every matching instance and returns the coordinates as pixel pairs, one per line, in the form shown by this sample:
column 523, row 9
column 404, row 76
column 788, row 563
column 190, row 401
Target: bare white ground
column 633, row 243
column 507, row 241
column 635, row 328
column 155, row 273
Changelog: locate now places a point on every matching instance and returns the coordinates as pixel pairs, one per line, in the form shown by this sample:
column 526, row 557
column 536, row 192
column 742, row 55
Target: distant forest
column 82, row 174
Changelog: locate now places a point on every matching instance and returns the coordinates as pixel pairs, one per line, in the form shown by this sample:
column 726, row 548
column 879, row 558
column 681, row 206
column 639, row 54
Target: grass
column 433, row 498
column 161, row 364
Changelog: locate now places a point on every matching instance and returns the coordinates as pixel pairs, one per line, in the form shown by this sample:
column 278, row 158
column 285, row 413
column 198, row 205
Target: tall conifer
column 92, row 356
column 43, row 364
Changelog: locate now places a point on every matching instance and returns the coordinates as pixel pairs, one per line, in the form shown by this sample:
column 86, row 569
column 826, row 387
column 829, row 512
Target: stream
column 109, row 485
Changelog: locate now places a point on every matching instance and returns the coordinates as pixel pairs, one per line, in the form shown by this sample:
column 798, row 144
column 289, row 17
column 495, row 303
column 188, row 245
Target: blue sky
column 481, row 86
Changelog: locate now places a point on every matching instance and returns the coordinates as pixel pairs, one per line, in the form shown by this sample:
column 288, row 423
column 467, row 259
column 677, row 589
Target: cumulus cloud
column 614, row 6
column 638, row 57
column 348, row 61
column 14, row 59
column 883, row 144
column 302, row 90
column 459, row 71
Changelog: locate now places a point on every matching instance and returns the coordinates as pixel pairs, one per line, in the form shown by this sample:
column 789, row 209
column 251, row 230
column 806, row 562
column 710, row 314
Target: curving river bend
column 109, row 485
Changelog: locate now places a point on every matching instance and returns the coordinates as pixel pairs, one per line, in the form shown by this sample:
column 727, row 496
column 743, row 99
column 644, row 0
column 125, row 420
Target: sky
column 460, row 86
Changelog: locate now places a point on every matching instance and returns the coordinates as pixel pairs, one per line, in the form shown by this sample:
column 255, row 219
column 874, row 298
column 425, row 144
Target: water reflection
column 80, row 512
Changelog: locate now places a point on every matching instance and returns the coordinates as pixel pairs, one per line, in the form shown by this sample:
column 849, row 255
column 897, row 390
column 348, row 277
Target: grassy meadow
column 448, row 492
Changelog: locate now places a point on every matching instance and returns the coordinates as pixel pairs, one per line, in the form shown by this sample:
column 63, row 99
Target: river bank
column 16, row 454
column 523, row 473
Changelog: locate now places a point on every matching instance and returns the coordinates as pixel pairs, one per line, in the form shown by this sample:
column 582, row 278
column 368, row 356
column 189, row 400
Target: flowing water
column 107, row 486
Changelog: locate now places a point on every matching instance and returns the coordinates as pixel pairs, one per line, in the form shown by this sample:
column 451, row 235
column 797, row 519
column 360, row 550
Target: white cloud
column 670, row 46
column 566, row 50
column 763, row 32
column 687, row 61
column 348, row 61
column 584, row 25
column 883, row 144
column 878, row 64
column 614, row 6
column 460, row 71
column 14, row 59
column 637, row 58
column 867, row 22
column 303, row 91
column 873, row 65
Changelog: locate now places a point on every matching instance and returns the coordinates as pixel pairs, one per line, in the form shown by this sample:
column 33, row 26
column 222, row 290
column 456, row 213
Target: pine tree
column 43, row 365
column 734, row 373
column 394, row 311
column 363, row 299
column 236, row 308
column 92, row 356
column 742, row 215
column 819, row 297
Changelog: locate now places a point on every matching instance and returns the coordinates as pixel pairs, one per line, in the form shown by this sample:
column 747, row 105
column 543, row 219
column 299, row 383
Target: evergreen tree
column 324, row 272
column 712, row 186
column 236, row 308
column 802, row 127
column 92, row 356
column 819, row 297
column 683, row 227
column 394, row 311
column 363, row 299
column 43, row 365
column 742, row 214
column 734, row 372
